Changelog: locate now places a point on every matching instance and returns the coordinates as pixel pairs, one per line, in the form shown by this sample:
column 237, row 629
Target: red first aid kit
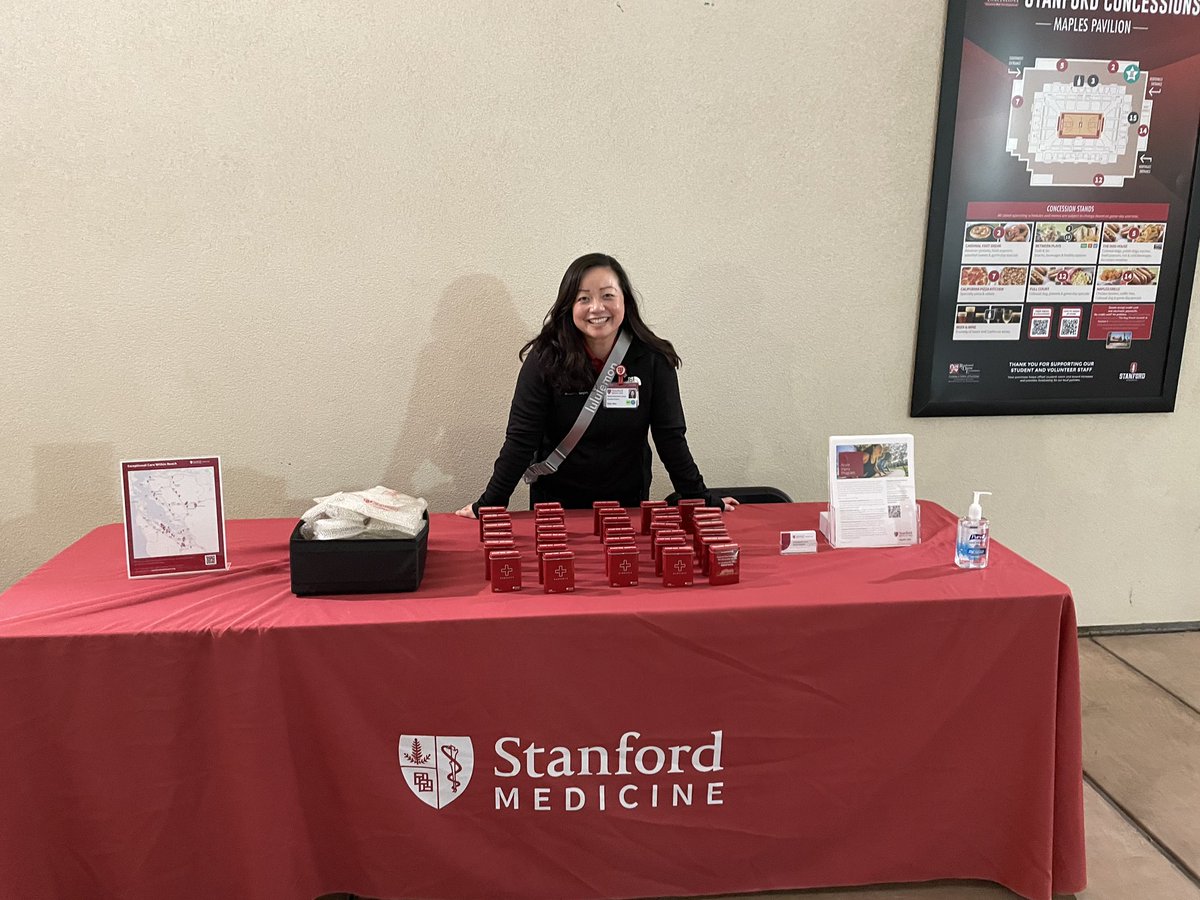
column 621, row 565
column 596, row 507
column 558, row 568
column 677, row 567
column 669, row 542
column 611, row 525
column 549, row 531
column 542, row 550
column 494, row 515
column 493, row 545
column 506, row 570
column 648, row 507
column 686, row 509
column 705, row 517
column 663, row 534
column 496, row 530
column 724, row 564
column 705, row 542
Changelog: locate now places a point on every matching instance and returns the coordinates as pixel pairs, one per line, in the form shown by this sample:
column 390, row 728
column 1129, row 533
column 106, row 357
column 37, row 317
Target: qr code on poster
column 210, row 559
column 1068, row 328
column 893, row 510
column 1039, row 328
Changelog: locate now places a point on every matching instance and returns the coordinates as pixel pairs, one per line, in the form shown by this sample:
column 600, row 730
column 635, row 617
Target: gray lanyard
column 550, row 464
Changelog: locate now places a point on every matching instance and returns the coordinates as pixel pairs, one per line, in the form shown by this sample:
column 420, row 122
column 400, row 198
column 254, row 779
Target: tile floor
column 1141, row 762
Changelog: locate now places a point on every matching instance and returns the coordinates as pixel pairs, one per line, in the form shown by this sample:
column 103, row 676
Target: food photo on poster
column 1062, row 234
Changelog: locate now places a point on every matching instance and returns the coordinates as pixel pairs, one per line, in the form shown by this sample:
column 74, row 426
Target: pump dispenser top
column 975, row 511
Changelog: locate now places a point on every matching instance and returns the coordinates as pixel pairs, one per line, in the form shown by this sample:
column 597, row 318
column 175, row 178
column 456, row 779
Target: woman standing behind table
column 612, row 459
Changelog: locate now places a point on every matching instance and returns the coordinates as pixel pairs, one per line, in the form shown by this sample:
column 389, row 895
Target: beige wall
column 310, row 237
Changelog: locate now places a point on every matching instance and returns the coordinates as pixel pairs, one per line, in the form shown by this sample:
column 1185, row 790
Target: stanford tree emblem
column 436, row 769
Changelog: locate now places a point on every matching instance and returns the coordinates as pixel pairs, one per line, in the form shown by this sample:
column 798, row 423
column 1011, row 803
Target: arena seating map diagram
column 1080, row 122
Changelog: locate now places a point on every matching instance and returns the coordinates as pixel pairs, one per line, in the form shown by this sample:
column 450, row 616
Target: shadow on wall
column 462, row 387
column 76, row 487
column 754, row 426
column 250, row 494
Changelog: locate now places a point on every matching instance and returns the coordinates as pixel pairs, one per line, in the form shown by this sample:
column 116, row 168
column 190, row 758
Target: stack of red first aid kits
column 502, row 560
column 556, row 562
column 684, row 542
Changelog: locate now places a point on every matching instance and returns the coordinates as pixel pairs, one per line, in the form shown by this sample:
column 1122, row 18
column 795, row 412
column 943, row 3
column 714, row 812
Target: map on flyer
column 173, row 517
column 1080, row 122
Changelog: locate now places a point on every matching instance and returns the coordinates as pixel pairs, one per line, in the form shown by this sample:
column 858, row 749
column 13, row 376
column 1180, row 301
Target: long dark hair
column 560, row 345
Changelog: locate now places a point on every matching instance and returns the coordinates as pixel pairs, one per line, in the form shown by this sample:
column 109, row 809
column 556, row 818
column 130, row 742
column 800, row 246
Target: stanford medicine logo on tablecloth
column 437, row 769
column 630, row 773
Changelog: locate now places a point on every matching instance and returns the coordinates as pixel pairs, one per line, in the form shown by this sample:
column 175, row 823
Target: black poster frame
column 927, row 344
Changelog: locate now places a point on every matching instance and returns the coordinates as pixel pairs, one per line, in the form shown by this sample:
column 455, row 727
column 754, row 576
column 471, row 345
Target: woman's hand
column 730, row 504
column 466, row 512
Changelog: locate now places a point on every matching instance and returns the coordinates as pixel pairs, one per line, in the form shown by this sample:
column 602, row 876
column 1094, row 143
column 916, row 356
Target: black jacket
column 612, row 459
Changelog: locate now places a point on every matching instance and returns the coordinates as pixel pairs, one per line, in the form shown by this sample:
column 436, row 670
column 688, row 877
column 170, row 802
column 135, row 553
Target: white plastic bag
column 377, row 513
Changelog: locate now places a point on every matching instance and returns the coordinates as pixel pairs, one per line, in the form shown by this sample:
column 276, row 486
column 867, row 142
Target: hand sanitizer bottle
column 971, row 544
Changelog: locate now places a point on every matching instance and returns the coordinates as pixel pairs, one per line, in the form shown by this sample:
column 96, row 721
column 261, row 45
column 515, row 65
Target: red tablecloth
column 864, row 716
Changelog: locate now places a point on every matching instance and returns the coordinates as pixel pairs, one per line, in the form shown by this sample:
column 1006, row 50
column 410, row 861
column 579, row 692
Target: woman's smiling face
column 599, row 308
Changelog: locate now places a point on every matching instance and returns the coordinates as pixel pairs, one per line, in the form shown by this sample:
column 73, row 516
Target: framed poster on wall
column 1064, row 215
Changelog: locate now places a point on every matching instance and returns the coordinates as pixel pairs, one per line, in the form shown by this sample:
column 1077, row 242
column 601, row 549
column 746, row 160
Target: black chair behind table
column 756, row 494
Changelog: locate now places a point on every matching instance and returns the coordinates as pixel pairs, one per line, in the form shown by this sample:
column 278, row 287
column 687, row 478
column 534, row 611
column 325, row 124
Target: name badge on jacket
column 624, row 393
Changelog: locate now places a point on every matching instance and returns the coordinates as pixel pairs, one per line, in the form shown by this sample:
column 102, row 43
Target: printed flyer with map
column 1064, row 220
column 174, row 521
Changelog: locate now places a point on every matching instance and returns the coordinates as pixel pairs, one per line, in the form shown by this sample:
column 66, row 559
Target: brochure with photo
column 872, row 491
column 174, row 520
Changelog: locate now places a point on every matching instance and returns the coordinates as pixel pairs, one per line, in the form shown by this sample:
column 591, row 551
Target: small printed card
column 174, row 521
column 791, row 542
